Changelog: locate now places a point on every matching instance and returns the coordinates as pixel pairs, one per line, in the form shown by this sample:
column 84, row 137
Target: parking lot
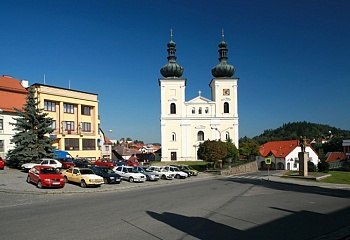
column 13, row 180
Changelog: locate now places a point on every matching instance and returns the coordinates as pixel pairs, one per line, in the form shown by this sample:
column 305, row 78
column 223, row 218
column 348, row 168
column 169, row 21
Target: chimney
column 24, row 83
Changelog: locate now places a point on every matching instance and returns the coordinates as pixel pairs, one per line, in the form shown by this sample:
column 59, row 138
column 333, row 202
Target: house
column 335, row 159
column 13, row 93
column 284, row 154
column 346, row 146
column 106, row 145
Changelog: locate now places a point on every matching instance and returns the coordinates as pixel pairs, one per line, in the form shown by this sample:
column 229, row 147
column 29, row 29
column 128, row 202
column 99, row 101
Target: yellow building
column 76, row 121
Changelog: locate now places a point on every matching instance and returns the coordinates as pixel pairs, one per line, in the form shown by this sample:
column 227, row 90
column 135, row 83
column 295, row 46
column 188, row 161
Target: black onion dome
column 171, row 69
column 223, row 69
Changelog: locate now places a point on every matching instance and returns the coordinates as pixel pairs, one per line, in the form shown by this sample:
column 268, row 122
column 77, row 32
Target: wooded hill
column 311, row 131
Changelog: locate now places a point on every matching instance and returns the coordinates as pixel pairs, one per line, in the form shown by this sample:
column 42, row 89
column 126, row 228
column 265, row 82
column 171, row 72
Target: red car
column 2, row 163
column 45, row 176
column 67, row 163
column 104, row 163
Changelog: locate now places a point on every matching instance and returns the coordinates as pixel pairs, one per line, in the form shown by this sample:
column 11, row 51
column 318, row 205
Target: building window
column 85, row 110
column 53, row 125
column 49, row 106
column 206, row 110
column 68, row 126
column 71, row 143
column 89, row 144
column 86, row 127
column 226, row 107
column 2, row 145
column 200, row 136
column 68, row 108
column 193, row 110
column 107, row 148
column 1, row 124
column 227, row 135
column 200, row 110
column 172, row 108
column 173, row 137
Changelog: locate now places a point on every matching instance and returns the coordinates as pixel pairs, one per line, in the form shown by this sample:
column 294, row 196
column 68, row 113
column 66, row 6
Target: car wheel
column 40, row 185
column 177, row 176
column 105, row 180
column 163, row 177
column 147, row 178
column 28, row 179
column 65, row 179
column 131, row 179
column 83, row 184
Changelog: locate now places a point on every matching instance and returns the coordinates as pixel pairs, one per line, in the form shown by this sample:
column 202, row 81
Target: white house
column 284, row 154
column 186, row 124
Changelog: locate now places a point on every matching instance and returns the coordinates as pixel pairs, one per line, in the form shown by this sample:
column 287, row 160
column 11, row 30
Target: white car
column 164, row 174
column 128, row 173
column 177, row 172
column 45, row 162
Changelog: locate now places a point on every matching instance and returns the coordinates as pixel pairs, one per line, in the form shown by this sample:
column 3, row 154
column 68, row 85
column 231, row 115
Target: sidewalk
column 304, row 182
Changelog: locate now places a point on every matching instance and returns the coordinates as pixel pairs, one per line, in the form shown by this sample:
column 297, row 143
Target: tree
column 212, row 151
column 232, row 151
column 32, row 128
column 249, row 148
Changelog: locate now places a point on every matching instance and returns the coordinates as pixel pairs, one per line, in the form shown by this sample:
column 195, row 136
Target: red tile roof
column 12, row 94
column 335, row 157
column 279, row 149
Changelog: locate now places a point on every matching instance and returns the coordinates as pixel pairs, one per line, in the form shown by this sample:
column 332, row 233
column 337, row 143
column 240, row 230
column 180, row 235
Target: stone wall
column 244, row 168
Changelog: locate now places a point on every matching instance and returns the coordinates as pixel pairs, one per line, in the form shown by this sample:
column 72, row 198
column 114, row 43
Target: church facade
column 186, row 124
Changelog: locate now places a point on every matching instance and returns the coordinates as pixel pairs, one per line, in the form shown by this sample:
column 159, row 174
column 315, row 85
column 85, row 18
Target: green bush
column 323, row 166
column 311, row 167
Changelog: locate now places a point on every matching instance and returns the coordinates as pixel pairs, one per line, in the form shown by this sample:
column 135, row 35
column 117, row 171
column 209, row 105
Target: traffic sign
column 268, row 161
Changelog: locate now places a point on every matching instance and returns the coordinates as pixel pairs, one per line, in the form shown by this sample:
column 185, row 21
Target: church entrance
column 173, row 156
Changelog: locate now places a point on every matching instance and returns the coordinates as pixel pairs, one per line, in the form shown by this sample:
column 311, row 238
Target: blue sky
column 292, row 57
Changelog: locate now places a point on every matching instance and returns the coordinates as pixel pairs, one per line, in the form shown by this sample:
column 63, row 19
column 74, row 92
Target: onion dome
column 171, row 69
column 223, row 69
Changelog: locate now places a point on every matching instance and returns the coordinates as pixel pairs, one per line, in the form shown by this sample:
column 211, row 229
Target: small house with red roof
column 284, row 154
column 13, row 93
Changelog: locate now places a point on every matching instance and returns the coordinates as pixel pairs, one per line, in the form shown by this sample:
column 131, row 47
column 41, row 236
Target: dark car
column 109, row 176
column 82, row 163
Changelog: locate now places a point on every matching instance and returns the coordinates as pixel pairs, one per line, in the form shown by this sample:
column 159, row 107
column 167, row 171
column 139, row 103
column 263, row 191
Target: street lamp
column 220, row 132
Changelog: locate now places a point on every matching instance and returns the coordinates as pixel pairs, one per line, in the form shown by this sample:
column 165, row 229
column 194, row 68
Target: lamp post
column 220, row 132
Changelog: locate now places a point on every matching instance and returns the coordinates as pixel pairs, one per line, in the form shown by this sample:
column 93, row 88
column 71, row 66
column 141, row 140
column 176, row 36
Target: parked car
column 67, row 163
column 128, row 173
column 2, row 163
column 82, row 163
column 177, row 172
column 150, row 176
column 83, row 176
column 189, row 173
column 104, row 163
column 193, row 171
column 44, row 162
column 163, row 174
column 109, row 176
column 132, row 163
column 45, row 176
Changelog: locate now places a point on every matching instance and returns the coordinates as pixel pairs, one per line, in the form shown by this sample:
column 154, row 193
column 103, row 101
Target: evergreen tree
column 32, row 128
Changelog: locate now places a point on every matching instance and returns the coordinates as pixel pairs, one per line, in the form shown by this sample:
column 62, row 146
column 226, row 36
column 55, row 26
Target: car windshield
column 86, row 171
column 186, row 167
column 67, row 160
column 107, row 170
column 48, row 171
column 131, row 170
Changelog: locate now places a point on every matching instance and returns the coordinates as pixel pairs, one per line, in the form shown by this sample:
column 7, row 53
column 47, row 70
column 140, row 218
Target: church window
column 172, row 108
column 193, row 110
column 226, row 107
column 200, row 110
column 206, row 110
column 173, row 137
column 200, row 136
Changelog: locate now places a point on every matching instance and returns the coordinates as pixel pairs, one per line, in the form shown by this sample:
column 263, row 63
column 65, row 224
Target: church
column 186, row 124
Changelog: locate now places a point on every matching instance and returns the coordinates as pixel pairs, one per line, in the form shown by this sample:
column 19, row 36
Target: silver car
column 150, row 176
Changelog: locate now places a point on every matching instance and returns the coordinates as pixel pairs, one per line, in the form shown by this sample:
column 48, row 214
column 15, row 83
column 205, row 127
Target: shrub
column 311, row 167
column 323, row 166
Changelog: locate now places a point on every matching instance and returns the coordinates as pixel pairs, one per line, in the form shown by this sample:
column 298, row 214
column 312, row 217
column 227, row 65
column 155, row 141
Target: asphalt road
column 240, row 207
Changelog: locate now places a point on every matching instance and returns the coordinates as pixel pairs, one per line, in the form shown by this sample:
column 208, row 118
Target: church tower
column 186, row 124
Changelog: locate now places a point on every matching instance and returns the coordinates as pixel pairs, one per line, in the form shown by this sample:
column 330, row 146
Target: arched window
column 172, row 108
column 200, row 110
column 226, row 107
column 227, row 135
column 173, row 137
column 200, row 136
column 193, row 110
column 206, row 110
